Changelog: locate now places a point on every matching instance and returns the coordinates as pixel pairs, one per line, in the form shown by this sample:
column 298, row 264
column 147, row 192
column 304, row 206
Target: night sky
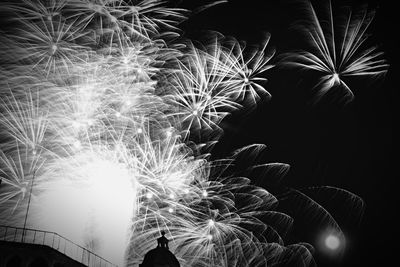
column 346, row 146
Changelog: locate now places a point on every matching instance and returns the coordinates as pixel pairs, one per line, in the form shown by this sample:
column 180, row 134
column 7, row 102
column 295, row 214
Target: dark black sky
column 349, row 146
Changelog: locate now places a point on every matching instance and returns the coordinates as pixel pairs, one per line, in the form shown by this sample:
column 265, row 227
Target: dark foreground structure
column 13, row 254
column 160, row 256
column 22, row 247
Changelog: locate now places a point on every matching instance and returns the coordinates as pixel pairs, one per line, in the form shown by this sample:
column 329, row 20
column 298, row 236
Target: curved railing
column 55, row 241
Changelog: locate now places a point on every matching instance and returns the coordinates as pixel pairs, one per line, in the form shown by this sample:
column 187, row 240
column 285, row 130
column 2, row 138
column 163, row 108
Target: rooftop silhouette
column 160, row 256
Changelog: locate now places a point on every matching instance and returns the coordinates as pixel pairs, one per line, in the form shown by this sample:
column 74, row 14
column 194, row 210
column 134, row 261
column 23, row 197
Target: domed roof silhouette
column 160, row 256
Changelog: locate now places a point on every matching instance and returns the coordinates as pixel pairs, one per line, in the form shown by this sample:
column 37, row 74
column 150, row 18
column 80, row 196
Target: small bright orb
column 195, row 112
column 205, row 193
column 34, row 152
column 23, row 190
column 246, row 80
column 139, row 130
column 149, row 195
column 113, row 19
column 335, row 77
column 171, row 196
column 76, row 124
column 170, row 210
column 134, row 10
column 169, row 133
column 332, row 242
column 117, row 114
column 96, row 8
column 53, row 49
column 128, row 102
column 77, row 144
column 209, row 237
column 186, row 191
column 211, row 222
column 208, row 97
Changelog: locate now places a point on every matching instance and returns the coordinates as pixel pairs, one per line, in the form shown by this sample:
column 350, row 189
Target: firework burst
column 336, row 48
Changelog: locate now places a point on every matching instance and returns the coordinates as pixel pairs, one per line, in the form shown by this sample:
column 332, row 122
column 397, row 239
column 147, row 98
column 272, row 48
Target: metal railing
column 55, row 241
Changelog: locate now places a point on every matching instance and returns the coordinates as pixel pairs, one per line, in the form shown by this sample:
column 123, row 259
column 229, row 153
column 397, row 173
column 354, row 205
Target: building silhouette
column 160, row 256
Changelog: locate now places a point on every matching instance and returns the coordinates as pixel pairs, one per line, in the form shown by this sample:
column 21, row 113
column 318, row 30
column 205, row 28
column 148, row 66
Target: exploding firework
column 336, row 42
column 99, row 116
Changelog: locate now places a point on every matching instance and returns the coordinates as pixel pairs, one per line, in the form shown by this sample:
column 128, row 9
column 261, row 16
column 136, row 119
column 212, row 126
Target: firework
column 245, row 69
column 337, row 52
column 99, row 116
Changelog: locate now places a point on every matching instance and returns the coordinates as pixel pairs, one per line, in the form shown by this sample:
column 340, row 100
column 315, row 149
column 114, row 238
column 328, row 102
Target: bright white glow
column 336, row 77
column 77, row 144
column 99, row 195
column 170, row 210
column 139, row 130
column 53, row 49
column 76, row 124
column 332, row 242
column 149, row 195
column 211, row 222
column 205, row 193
